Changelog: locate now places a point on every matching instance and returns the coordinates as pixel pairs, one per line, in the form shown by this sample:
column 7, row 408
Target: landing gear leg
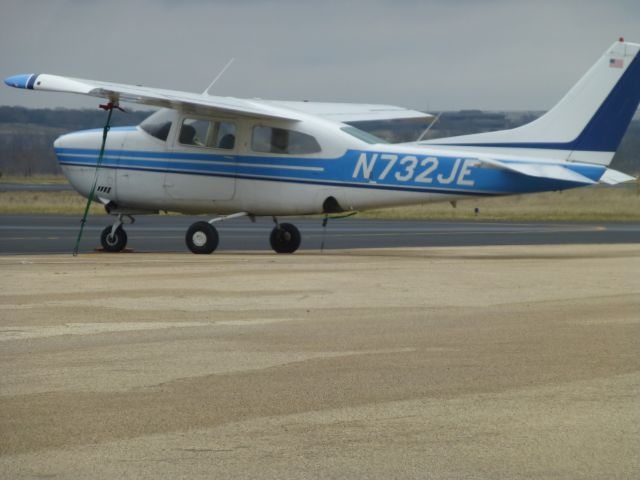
column 285, row 237
column 202, row 237
column 114, row 238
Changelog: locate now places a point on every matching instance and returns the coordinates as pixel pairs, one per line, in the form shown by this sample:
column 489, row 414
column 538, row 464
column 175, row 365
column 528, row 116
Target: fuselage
column 195, row 164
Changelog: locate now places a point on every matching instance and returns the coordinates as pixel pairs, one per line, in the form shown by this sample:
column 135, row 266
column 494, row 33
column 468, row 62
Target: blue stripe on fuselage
column 416, row 173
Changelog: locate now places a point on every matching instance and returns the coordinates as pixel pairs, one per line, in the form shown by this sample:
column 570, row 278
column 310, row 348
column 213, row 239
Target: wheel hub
column 199, row 239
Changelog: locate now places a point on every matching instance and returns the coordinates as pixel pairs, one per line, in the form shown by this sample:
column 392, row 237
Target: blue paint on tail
column 606, row 128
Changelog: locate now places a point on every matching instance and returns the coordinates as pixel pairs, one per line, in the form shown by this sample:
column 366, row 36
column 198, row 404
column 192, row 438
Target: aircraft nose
column 60, row 141
column 25, row 80
column 58, row 145
column 63, row 144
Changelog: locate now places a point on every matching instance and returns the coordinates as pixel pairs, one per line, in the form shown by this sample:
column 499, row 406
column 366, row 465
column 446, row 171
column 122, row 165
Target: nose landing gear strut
column 114, row 238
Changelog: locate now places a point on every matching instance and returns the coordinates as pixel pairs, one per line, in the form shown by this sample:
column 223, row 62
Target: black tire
column 285, row 238
column 115, row 242
column 202, row 238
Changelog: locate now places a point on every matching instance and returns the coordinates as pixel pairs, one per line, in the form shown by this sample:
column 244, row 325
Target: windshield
column 362, row 135
column 159, row 123
column 398, row 130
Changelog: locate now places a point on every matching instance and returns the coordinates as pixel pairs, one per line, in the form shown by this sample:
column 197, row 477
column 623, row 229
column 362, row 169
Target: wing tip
column 24, row 80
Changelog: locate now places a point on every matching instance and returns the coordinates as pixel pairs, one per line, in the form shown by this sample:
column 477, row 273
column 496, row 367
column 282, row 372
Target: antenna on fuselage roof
column 218, row 76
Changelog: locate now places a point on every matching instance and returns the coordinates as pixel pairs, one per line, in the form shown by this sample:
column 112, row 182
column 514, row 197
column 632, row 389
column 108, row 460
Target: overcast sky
column 431, row 54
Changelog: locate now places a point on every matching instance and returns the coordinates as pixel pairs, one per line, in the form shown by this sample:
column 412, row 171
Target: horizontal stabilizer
column 540, row 170
column 613, row 177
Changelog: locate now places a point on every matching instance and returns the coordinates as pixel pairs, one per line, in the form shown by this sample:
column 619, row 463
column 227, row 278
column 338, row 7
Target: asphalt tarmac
column 472, row 363
column 32, row 234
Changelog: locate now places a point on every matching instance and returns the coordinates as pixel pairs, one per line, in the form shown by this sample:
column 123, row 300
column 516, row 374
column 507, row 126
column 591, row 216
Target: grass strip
column 618, row 204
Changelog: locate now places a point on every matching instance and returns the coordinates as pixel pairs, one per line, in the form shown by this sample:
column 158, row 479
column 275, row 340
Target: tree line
column 27, row 135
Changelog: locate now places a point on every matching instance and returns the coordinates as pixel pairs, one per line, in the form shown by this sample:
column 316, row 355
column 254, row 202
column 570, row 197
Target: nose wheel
column 285, row 238
column 113, row 240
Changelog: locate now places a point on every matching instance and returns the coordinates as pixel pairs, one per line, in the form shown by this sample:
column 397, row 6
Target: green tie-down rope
column 105, row 131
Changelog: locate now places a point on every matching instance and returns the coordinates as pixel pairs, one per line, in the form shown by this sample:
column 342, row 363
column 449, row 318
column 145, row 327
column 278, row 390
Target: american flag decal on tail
column 616, row 63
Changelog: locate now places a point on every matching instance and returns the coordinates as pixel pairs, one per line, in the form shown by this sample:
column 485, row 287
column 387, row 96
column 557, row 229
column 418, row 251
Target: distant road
column 26, row 234
column 35, row 187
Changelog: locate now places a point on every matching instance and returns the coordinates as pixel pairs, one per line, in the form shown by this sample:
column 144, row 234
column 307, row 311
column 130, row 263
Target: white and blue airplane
column 231, row 157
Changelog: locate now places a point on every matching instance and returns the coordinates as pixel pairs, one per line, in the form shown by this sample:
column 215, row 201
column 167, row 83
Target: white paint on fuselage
column 162, row 189
column 153, row 190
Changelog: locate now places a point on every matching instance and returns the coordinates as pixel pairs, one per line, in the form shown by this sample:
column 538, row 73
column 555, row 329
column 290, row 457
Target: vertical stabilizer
column 587, row 125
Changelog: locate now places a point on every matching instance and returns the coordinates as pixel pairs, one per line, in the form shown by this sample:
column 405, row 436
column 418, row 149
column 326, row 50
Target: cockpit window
column 207, row 133
column 279, row 140
column 159, row 123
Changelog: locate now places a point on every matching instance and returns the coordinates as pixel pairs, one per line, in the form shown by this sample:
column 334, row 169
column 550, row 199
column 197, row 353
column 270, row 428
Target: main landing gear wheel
column 202, row 237
column 285, row 238
column 113, row 242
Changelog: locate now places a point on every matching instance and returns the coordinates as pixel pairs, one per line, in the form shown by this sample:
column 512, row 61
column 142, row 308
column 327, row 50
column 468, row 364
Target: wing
column 205, row 104
column 184, row 101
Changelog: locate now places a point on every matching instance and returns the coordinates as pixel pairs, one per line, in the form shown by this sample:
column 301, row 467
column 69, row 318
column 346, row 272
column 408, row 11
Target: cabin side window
column 159, row 123
column 207, row 133
column 281, row 141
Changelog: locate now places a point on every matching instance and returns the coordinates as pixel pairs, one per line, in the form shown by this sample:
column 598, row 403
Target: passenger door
column 201, row 164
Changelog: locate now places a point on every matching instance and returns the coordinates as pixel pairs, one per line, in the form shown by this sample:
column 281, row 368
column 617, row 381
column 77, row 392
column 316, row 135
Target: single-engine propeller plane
column 236, row 157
